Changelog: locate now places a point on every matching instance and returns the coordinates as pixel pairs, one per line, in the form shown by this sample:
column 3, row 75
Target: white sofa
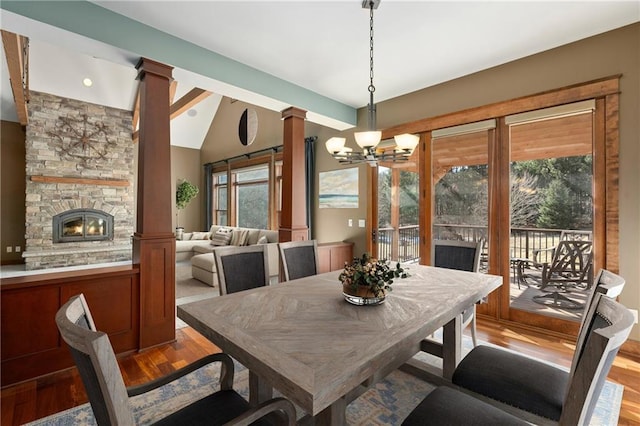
column 185, row 248
column 201, row 252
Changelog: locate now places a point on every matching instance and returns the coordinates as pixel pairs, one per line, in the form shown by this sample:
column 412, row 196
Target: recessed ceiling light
column 87, row 82
column 192, row 113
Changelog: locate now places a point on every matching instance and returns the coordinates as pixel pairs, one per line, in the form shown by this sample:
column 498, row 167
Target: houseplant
column 367, row 280
column 185, row 192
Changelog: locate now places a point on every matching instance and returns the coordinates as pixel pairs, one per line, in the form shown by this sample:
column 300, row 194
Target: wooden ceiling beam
column 193, row 97
column 183, row 104
column 16, row 50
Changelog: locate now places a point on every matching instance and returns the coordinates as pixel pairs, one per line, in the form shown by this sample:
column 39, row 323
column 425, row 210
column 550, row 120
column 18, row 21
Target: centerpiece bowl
column 367, row 280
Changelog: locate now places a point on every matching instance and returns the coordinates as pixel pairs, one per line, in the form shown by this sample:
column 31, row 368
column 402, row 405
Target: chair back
column 606, row 327
column 96, row 363
column 572, row 262
column 241, row 268
column 460, row 255
column 299, row 258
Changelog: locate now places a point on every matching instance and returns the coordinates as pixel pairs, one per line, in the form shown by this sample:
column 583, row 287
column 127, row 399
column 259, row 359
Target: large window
column 247, row 193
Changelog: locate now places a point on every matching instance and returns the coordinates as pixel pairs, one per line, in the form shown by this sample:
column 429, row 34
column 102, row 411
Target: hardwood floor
column 35, row 399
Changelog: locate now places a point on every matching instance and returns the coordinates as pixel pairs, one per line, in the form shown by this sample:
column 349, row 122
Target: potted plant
column 185, row 192
column 367, row 280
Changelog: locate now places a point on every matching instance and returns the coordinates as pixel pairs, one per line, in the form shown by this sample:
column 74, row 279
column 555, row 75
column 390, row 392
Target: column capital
column 150, row 66
column 294, row 112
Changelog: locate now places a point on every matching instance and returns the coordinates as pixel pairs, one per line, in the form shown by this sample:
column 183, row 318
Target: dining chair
column 463, row 256
column 110, row 399
column 299, row 258
column 241, row 268
column 533, row 389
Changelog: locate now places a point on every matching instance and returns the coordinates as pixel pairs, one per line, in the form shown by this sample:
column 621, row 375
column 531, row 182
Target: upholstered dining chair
column 241, row 268
column 109, row 398
column 463, row 256
column 532, row 390
column 538, row 390
column 299, row 258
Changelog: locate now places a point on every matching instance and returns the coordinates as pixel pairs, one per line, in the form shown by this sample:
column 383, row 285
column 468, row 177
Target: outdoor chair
column 110, row 399
column 299, row 258
column 463, row 256
column 570, row 267
column 241, row 268
column 540, row 392
column 540, row 256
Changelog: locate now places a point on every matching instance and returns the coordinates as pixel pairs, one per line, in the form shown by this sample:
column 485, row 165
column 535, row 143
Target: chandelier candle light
column 368, row 141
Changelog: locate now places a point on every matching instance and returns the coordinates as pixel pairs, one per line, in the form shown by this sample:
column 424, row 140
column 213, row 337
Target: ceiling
column 311, row 54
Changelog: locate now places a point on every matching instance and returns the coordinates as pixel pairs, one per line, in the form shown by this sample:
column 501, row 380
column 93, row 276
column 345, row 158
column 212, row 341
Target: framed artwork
column 339, row 189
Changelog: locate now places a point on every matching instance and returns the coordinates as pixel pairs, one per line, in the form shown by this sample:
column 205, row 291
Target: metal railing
column 524, row 241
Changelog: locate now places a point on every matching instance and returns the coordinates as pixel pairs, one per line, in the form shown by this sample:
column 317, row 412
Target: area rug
column 189, row 287
column 388, row 402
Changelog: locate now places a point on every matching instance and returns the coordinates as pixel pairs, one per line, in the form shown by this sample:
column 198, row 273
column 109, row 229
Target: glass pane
column 220, row 178
column 253, row 206
column 460, row 176
column 95, row 226
column 551, row 215
column 221, row 217
column 409, row 232
column 222, row 198
column 261, row 173
column 385, row 229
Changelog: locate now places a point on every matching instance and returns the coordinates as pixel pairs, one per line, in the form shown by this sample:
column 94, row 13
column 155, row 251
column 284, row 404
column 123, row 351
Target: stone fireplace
column 79, row 192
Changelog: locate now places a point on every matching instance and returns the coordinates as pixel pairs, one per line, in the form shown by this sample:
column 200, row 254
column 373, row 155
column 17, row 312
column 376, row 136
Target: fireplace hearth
column 82, row 225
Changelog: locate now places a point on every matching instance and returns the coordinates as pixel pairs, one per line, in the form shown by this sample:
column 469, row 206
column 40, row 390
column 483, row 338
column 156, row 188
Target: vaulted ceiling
column 310, row 54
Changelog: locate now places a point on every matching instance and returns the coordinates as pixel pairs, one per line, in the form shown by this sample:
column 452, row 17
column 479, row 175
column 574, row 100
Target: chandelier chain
column 372, row 88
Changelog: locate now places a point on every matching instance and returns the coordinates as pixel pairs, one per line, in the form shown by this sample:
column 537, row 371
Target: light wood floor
column 39, row 398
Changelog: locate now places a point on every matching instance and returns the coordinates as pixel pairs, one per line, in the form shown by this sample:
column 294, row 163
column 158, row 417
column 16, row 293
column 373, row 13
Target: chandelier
column 369, row 141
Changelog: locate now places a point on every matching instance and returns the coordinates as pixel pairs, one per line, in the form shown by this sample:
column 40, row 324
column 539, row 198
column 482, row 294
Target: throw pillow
column 200, row 236
column 239, row 237
column 222, row 237
column 263, row 240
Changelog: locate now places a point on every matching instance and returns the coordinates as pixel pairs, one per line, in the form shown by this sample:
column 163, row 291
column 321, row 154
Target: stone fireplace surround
column 58, row 181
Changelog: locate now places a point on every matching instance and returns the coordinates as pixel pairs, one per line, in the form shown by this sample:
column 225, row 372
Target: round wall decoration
column 248, row 127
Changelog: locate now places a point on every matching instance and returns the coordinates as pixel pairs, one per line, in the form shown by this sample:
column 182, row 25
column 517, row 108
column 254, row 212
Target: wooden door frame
column 605, row 92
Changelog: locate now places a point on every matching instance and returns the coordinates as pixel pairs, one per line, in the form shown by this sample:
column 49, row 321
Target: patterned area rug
column 387, row 403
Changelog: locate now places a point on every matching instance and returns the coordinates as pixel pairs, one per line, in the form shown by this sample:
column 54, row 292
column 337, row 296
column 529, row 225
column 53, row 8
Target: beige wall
column 615, row 52
column 12, row 191
column 185, row 164
column 222, row 140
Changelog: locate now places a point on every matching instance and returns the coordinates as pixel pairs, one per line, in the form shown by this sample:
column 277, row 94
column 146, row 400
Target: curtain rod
column 274, row 149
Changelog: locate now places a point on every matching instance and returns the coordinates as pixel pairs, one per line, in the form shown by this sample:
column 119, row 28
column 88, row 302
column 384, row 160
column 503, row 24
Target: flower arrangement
column 374, row 274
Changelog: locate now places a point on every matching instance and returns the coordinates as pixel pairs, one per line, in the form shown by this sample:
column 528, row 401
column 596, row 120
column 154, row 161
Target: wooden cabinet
column 30, row 341
column 331, row 256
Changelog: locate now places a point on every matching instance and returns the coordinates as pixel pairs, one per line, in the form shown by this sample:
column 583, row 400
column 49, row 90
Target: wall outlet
column 361, row 223
column 18, row 249
column 350, row 222
column 9, row 249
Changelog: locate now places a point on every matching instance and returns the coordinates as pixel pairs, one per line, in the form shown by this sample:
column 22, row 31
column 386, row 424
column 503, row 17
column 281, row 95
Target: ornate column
column 154, row 245
column 293, row 220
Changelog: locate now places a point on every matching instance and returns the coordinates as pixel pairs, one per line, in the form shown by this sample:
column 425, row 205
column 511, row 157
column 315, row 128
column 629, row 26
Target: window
column 220, row 198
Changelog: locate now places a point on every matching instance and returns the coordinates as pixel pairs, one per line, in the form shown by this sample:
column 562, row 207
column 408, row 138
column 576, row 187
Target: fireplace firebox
column 82, row 225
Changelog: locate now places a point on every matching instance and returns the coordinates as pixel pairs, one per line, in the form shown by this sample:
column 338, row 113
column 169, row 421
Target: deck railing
column 524, row 241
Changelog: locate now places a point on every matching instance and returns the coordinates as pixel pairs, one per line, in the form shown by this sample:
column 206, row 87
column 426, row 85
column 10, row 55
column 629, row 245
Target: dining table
column 304, row 339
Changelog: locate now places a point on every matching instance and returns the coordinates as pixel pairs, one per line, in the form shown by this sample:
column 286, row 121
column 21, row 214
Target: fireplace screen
column 82, row 225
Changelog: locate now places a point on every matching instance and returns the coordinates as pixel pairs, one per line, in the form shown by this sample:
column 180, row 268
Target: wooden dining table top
column 314, row 347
